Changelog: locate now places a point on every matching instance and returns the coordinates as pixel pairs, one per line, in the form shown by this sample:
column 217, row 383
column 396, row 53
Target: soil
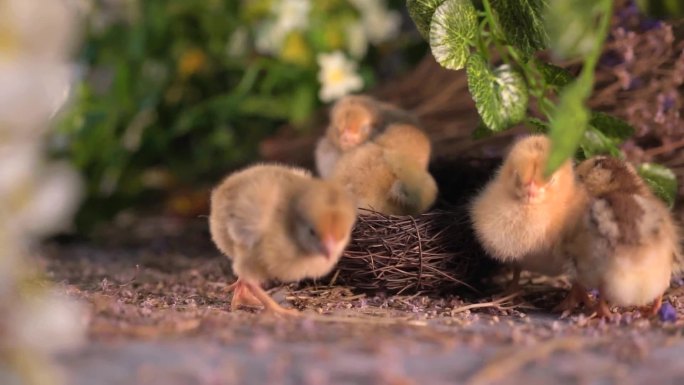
column 159, row 314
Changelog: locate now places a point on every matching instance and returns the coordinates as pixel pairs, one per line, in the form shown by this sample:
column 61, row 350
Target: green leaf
column 500, row 96
column 553, row 75
column 662, row 9
column 452, row 31
column 612, row 127
column 538, row 126
column 522, row 23
column 482, row 131
column 568, row 124
column 661, row 180
column 594, row 142
column 421, row 12
column 571, row 25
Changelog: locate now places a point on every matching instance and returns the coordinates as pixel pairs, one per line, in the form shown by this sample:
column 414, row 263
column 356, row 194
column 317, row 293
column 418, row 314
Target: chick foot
column 652, row 311
column 602, row 309
column 270, row 306
column 242, row 296
column 576, row 296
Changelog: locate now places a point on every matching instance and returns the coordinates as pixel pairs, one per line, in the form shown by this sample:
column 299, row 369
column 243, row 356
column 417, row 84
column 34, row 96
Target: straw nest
column 430, row 253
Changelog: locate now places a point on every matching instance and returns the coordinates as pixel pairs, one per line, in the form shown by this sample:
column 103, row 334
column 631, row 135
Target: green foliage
column 466, row 32
column 421, row 13
column 522, row 23
column 179, row 92
column 572, row 26
column 662, row 181
column 500, row 95
column 567, row 125
column 553, row 76
column 452, row 31
column 663, row 9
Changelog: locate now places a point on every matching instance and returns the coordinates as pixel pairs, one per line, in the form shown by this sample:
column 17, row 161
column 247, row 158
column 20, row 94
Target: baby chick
column 277, row 222
column 520, row 215
column 390, row 175
column 354, row 120
column 625, row 242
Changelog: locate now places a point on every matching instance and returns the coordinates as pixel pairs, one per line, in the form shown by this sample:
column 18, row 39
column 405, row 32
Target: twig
column 513, row 359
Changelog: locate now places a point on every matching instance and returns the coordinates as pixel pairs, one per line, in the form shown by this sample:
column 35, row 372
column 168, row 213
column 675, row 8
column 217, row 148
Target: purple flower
column 667, row 313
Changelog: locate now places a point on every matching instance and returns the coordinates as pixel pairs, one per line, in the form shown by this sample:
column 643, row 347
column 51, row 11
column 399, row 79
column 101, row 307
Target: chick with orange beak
column 278, row 223
column 521, row 214
column 354, row 120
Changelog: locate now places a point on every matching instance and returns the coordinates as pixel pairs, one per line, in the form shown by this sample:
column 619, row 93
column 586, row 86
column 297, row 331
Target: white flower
column 49, row 322
column 337, row 76
column 381, row 24
column 36, row 198
column 237, row 44
column 292, row 14
column 268, row 38
column 41, row 29
column 357, row 42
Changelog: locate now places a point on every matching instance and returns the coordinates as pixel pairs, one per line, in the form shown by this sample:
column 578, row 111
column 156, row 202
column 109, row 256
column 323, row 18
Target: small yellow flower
column 296, row 50
column 192, row 61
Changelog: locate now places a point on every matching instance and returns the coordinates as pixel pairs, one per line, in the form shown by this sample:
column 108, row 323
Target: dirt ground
column 159, row 314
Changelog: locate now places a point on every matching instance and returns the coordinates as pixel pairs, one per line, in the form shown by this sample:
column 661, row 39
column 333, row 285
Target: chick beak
column 329, row 247
column 349, row 139
column 532, row 191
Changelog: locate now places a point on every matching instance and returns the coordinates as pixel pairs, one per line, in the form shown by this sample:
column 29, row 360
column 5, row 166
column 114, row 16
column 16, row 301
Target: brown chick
column 354, row 120
column 278, row 222
column 521, row 215
column 625, row 242
column 390, row 175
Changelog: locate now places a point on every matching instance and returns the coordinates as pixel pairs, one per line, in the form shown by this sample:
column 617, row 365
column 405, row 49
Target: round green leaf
column 594, row 142
column 421, row 12
column 452, row 30
column 500, row 96
column 661, row 180
column 611, row 126
column 522, row 23
column 553, row 75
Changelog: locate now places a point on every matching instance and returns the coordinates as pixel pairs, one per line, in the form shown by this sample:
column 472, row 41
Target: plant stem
column 495, row 31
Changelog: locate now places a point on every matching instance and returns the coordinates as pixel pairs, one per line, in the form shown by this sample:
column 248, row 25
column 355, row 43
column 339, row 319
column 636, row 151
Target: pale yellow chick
column 625, row 243
column 278, row 222
column 520, row 216
column 354, row 120
column 390, row 174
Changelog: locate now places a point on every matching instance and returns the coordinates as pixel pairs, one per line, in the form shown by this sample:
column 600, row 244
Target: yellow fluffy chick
column 354, row 120
column 625, row 243
column 390, row 175
column 277, row 222
column 520, row 215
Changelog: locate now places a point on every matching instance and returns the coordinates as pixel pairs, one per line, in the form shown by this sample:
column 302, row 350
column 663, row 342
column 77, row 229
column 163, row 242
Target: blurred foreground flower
column 37, row 197
column 337, row 76
column 380, row 23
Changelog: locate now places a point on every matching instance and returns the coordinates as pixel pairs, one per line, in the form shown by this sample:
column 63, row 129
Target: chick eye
column 312, row 232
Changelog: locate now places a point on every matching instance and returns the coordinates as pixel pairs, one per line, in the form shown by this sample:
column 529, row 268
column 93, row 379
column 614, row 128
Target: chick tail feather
column 415, row 189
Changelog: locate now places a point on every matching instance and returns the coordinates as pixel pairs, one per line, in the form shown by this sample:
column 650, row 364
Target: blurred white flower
column 268, row 38
column 36, row 198
column 337, row 76
column 381, row 24
column 32, row 92
column 238, row 42
column 357, row 42
column 292, row 15
column 48, row 323
column 41, row 29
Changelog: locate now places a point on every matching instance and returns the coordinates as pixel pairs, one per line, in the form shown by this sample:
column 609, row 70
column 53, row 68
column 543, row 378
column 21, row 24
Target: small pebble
column 667, row 313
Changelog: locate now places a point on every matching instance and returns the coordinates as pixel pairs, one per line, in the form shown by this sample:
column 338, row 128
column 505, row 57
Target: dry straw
column 434, row 252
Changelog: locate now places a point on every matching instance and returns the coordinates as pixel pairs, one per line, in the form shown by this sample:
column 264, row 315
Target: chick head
column 353, row 119
column 603, row 174
column 324, row 215
column 523, row 171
